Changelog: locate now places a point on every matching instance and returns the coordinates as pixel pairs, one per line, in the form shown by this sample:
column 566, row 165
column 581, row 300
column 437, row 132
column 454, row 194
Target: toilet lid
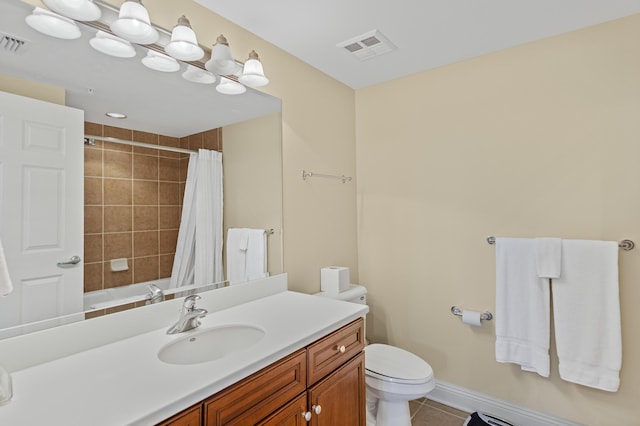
column 396, row 363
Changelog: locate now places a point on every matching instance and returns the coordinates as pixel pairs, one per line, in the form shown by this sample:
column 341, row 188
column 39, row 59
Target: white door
column 41, row 208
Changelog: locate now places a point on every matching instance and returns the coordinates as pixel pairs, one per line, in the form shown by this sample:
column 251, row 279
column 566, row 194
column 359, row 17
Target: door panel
column 41, row 208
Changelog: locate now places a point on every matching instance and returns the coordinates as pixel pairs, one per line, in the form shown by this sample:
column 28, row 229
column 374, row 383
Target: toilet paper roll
column 471, row 318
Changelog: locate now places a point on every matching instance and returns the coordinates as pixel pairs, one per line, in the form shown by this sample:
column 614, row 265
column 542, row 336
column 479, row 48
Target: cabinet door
column 340, row 396
column 290, row 415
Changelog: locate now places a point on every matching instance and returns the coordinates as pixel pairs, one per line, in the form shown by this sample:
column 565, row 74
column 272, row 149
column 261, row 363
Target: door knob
column 73, row 260
column 307, row 415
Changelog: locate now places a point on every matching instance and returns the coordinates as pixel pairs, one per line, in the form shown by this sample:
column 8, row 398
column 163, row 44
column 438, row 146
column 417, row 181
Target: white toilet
column 393, row 376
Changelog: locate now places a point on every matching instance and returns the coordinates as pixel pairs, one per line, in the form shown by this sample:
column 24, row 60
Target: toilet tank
column 355, row 294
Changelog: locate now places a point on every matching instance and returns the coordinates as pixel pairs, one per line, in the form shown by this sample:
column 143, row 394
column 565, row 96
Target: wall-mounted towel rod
column 485, row 316
column 343, row 178
column 270, row 231
column 625, row 245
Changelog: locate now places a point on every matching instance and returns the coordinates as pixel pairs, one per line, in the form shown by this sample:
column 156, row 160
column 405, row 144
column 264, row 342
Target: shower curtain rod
column 90, row 140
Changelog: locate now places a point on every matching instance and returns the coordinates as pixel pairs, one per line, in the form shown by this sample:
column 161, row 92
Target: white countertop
column 124, row 383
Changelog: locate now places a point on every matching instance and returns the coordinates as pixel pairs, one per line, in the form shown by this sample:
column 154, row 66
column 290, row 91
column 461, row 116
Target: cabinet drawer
column 251, row 400
column 332, row 351
column 189, row 417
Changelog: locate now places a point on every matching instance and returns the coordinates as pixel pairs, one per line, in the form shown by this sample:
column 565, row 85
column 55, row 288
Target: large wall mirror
column 162, row 108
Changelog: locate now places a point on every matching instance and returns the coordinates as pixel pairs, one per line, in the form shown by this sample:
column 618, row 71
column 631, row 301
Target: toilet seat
column 393, row 364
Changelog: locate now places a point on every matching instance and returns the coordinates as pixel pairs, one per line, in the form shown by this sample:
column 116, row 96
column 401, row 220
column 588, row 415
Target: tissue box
column 334, row 279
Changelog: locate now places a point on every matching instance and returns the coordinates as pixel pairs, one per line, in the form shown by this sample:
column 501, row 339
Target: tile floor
column 425, row 412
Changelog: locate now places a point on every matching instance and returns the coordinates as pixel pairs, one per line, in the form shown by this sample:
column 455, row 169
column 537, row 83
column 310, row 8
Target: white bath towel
column 548, row 257
column 237, row 243
column 522, row 306
column 586, row 308
column 256, row 265
column 6, row 286
column 246, row 254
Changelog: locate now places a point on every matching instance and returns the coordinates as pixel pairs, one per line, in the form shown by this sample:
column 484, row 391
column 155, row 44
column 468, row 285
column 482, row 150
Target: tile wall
column 133, row 201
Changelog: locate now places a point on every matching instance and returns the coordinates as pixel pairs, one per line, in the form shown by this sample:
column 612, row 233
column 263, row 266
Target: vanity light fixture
column 197, row 75
column 184, row 45
column 221, row 62
column 230, row 87
column 80, row 10
column 133, row 24
column 253, row 74
column 118, row 115
column 160, row 62
column 112, row 45
column 52, row 24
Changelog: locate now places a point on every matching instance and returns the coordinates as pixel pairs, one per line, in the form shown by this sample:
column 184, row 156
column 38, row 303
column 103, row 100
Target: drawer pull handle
column 316, row 409
column 307, row 416
column 342, row 349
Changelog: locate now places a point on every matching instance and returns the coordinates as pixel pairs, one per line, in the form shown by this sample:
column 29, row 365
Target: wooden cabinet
column 254, row 398
column 292, row 414
column 189, row 417
column 337, row 400
column 330, row 352
column 341, row 397
column 320, row 385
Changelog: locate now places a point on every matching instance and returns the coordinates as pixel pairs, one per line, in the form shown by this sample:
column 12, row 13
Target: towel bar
column 485, row 316
column 625, row 245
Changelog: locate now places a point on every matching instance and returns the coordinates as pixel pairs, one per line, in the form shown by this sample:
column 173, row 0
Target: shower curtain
column 198, row 258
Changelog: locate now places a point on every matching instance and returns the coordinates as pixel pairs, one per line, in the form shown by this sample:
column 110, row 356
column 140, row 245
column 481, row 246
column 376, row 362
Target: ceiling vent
column 12, row 44
column 368, row 45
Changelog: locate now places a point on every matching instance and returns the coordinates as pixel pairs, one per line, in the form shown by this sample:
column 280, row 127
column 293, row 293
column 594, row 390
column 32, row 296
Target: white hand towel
column 237, row 243
column 548, row 257
column 522, row 306
column 6, row 286
column 256, row 264
column 586, row 308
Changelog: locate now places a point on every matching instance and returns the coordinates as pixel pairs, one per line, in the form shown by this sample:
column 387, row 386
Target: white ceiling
column 428, row 33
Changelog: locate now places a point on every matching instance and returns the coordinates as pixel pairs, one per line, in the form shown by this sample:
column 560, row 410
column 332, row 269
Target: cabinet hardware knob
column 307, row 415
column 342, row 349
column 316, row 409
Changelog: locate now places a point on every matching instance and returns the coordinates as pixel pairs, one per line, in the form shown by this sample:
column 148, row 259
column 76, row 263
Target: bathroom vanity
column 309, row 364
column 322, row 384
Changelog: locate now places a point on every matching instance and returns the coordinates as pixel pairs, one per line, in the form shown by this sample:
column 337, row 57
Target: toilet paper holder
column 485, row 316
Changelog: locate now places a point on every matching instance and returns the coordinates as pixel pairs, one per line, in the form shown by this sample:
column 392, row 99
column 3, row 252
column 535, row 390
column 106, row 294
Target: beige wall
column 538, row 140
column 252, row 161
column 32, row 89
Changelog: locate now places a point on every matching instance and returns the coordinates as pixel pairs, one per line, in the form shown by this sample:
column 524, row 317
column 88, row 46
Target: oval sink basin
column 210, row 344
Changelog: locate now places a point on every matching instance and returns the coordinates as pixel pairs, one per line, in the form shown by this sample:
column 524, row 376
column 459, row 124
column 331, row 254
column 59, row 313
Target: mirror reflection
column 137, row 198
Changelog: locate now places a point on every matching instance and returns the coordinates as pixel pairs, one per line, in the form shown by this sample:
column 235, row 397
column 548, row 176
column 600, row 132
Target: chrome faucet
column 189, row 316
column 155, row 294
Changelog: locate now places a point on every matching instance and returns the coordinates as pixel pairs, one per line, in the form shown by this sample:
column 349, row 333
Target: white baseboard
column 470, row 401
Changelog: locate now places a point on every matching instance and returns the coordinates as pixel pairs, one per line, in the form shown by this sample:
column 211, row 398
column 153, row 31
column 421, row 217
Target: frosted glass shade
column 183, row 44
column 112, row 45
column 196, row 75
column 133, row 24
column 159, row 62
column 230, row 87
column 253, row 74
column 80, row 10
column 222, row 62
column 52, row 24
